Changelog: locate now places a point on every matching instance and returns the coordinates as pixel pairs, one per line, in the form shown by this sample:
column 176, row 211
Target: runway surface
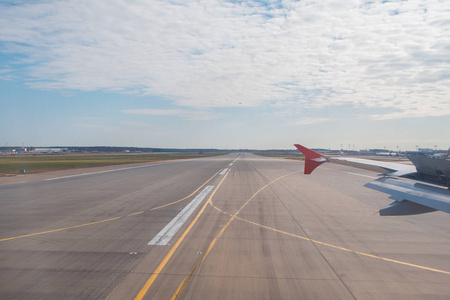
column 238, row 226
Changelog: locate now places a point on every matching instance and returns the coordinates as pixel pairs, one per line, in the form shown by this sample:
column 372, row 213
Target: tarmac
column 262, row 230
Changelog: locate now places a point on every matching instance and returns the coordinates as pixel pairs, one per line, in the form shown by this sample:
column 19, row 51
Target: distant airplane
column 400, row 181
column 442, row 155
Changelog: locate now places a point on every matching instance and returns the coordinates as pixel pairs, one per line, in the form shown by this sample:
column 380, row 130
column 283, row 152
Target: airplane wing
column 411, row 197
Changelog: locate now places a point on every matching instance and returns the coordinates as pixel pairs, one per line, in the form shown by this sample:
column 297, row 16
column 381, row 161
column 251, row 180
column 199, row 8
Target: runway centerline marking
column 107, row 220
column 166, row 234
column 172, row 250
column 223, row 171
column 175, row 202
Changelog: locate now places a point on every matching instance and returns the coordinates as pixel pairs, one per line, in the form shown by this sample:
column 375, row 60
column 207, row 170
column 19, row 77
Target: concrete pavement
column 264, row 231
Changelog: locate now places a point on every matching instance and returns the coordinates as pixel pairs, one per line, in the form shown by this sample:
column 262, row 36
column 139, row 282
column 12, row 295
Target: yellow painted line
column 60, row 229
column 107, row 220
column 345, row 249
column 166, row 259
column 334, row 246
column 162, row 206
column 186, row 279
column 136, row 213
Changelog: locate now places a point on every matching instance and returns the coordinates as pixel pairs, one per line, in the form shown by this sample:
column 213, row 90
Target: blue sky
column 225, row 74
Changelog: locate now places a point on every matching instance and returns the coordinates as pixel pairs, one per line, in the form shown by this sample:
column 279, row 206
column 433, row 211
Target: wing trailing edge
column 410, row 197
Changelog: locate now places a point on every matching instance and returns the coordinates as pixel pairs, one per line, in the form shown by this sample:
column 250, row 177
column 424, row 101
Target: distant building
column 426, row 150
column 51, row 150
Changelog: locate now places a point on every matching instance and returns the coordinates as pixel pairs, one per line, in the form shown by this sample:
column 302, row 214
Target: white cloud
column 221, row 54
column 311, row 121
column 6, row 74
column 187, row 114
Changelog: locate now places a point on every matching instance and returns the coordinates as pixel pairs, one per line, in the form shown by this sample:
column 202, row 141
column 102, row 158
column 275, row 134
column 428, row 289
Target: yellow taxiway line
column 341, row 248
column 188, row 277
column 107, row 220
column 60, row 229
column 330, row 245
column 186, row 280
column 166, row 259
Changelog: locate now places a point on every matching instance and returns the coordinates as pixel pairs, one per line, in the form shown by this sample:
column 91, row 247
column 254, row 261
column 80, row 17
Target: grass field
column 36, row 164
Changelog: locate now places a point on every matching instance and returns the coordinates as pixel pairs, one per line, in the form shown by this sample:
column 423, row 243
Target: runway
column 238, row 226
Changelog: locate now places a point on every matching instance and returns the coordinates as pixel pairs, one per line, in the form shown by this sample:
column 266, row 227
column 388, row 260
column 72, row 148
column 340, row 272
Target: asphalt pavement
column 238, row 226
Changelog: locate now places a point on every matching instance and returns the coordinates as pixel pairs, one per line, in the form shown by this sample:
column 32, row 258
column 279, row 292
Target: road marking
column 331, row 245
column 109, row 171
column 172, row 250
column 341, row 248
column 172, row 203
column 199, row 262
column 93, row 223
column 224, row 171
column 166, row 234
column 60, row 229
column 362, row 175
column 230, row 164
column 136, row 213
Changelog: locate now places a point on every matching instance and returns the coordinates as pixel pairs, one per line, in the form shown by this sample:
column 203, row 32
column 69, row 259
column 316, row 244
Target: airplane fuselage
column 432, row 168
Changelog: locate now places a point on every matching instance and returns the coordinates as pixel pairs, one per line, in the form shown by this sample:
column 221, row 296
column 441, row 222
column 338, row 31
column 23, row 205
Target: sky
column 223, row 74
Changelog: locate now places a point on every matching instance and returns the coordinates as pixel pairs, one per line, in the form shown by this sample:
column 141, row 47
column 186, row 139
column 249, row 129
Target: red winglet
column 312, row 158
